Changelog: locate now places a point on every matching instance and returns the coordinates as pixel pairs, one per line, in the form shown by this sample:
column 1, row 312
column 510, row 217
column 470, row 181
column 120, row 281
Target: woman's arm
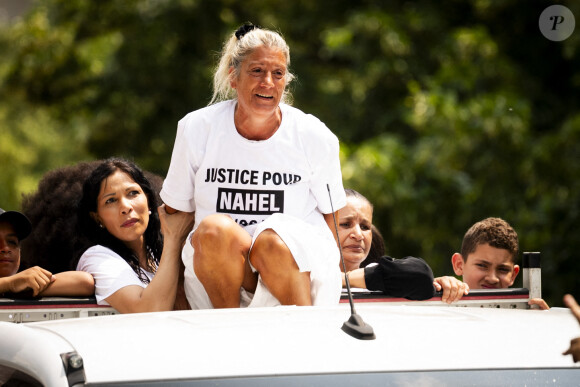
column 329, row 219
column 356, row 279
column 181, row 302
column 159, row 295
column 70, row 283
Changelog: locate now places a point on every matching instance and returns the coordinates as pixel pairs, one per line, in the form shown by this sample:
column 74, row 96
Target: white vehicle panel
column 34, row 351
column 306, row 340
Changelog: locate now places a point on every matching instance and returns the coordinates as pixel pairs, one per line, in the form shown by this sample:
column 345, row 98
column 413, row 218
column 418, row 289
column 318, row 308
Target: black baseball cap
column 18, row 220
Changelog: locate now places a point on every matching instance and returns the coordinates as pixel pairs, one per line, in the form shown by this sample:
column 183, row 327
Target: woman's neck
column 255, row 127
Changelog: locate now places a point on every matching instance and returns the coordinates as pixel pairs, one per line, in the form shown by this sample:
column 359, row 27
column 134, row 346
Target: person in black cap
column 14, row 227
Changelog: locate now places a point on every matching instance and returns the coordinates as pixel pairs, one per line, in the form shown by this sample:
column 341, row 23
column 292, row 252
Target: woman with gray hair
column 258, row 174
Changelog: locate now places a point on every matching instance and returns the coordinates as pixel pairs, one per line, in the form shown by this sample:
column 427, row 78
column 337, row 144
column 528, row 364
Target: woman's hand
column 574, row 349
column 160, row 294
column 452, row 288
column 170, row 210
column 176, row 226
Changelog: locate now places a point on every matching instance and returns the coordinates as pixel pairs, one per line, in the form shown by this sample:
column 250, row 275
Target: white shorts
column 314, row 249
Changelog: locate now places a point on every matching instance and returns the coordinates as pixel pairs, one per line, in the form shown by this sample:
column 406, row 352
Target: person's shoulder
column 297, row 114
column 208, row 112
column 98, row 250
column 197, row 125
column 98, row 257
column 308, row 124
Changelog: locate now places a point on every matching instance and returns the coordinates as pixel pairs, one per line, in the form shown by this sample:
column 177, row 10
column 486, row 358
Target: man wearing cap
column 14, row 227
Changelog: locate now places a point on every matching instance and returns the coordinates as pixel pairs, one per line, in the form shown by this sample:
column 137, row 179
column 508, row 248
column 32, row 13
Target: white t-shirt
column 216, row 170
column 110, row 271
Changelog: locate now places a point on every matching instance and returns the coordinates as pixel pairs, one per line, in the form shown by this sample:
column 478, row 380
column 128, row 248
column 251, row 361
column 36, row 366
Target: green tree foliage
column 489, row 128
column 448, row 112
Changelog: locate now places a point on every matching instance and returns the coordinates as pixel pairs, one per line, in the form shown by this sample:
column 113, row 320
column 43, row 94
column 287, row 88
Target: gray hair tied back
column 240, row 44
column 244, row 29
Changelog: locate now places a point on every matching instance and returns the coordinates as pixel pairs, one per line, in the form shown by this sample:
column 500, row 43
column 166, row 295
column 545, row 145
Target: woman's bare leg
column 220, row 260
column 279, row 271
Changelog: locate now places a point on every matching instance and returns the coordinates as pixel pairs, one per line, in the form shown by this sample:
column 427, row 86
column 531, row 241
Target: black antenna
column 354, row 326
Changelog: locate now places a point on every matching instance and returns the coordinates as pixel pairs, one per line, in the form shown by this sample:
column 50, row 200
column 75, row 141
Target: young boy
column 14, row 227
column 487, row 260
column 488, row 254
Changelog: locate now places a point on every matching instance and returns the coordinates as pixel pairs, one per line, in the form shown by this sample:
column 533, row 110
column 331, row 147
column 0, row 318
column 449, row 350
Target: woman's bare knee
column 279, row 271
column 212, row 229
column 220, row 252
column 269, row 249
column 220, row 245
column 219, row 237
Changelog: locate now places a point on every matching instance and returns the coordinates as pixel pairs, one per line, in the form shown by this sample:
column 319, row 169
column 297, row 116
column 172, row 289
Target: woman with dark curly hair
column 53, row 213
column 136, row 246
column 52, row 210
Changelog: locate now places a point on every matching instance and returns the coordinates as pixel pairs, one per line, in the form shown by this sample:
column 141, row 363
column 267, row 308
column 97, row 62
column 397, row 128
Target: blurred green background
column 448, row 111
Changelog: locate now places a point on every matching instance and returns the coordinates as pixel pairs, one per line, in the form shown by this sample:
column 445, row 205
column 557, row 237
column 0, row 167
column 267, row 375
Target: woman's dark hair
column 90, row 228
column 355, row 194
column 377, row 249
column 53, row 213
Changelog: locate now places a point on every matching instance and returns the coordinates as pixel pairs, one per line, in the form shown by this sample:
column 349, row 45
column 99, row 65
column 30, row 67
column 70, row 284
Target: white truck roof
column 299, row 345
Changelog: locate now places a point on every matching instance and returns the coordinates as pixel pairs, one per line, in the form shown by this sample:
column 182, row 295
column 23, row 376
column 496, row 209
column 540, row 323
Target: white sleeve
column 109, row 270
column 325, row 161
column 179, row 184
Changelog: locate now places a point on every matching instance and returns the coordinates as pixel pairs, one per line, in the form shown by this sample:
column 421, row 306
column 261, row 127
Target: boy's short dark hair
column 494, row 231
